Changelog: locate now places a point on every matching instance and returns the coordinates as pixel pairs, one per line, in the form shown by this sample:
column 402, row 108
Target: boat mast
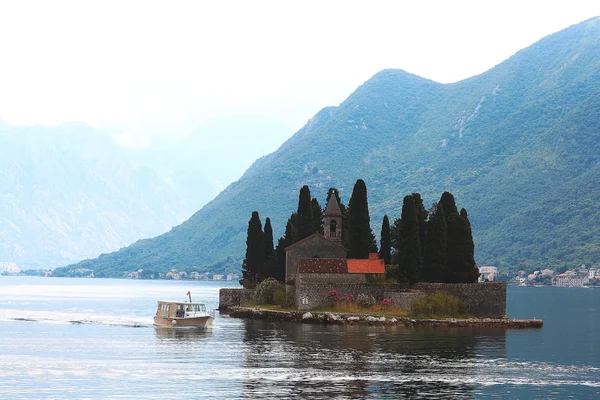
column 190, row 296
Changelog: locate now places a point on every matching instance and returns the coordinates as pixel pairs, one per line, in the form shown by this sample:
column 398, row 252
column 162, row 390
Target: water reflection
column 183, row 334
column 317, row 361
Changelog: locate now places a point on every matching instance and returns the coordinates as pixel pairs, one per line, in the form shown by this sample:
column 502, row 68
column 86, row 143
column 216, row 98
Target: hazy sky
column 146, row 68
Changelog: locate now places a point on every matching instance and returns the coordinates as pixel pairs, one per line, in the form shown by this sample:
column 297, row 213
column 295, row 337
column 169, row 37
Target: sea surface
column 93, row 339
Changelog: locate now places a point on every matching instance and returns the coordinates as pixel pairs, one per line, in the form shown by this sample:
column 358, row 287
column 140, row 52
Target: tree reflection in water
column 316, row 361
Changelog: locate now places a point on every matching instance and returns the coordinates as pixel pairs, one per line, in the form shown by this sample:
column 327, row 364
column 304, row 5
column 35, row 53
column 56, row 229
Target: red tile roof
column 340, row 266
column 366, row 267
column 323, row 265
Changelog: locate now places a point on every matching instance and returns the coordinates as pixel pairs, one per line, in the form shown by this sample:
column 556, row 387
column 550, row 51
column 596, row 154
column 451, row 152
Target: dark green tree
column 459, row 249
column 305, row 214
column 385, row 250
column 359, row 229
column 421, row 218
column 317, row 213
column 253, row 265
column 409, row 253
column 270, row 266
column 434, row 257
column 396, row 236
column 448, row 204
column 288, row 238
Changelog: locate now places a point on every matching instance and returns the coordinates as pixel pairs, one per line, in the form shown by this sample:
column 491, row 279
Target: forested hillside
column 519, row 147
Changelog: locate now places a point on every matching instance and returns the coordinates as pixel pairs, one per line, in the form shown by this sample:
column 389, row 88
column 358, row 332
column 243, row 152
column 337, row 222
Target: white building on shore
column 488, row 273
column 569, row 280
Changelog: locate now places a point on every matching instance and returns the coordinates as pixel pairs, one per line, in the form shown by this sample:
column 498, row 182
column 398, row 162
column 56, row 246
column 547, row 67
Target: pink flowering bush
column 386, row 302
column 337, row 298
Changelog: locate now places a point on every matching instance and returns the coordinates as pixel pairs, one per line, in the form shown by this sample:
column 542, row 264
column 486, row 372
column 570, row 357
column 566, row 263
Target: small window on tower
column 333, row 228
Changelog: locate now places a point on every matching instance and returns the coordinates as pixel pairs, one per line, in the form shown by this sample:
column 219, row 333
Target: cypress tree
column 434, row 257
column 409, row 255
column 317, row 213
column 471, row 270
column 359, row 230
column 305, row 214
column 396, row 235
column 255, row 253
column 448, row 203
column 421, row 218
column 460, row 248
column 288, row 238
column 385, row 251
column 269, row 269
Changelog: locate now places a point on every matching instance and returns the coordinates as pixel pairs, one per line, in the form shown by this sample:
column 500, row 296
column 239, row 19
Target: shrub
column 265, row 291
column 282, row 298
column 386, row 302
column 391, row 271
column 334, row 296
column 365, row 300
column 439, row 305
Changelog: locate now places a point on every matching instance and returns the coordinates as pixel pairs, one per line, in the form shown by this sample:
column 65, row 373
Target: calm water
column 82, row 338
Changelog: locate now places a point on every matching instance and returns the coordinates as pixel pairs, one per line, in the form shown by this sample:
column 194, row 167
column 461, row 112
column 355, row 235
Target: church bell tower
column 332, row 228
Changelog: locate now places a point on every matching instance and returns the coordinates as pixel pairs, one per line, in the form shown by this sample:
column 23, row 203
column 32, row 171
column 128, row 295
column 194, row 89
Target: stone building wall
column 330, row 278
column 315, row 246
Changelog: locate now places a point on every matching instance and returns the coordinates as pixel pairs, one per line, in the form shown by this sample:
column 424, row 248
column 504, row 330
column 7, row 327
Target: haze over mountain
column 70, row 192
column 518, row 146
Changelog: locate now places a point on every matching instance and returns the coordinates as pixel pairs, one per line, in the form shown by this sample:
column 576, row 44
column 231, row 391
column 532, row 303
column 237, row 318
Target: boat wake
column 74, row 318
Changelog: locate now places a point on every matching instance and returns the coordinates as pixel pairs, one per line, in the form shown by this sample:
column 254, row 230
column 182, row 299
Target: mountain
column 518, row 146
column 69, row 193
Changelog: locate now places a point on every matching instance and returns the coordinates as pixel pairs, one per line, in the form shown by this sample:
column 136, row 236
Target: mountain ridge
column 402, row 133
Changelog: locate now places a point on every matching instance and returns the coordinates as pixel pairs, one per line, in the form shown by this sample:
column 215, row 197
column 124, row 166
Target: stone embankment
column 315, row 317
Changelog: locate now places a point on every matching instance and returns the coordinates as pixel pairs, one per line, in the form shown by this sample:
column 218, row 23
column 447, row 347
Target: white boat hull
column 200, row 322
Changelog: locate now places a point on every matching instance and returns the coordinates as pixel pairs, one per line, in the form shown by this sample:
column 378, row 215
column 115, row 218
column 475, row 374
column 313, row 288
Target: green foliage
column 409, row 254
column 386, row 243
column 392, row 271
column 438, row 305
column 317, row 212
column 282, row 298
column 365, row 300
column 268, row 292
column 434, row 257
column 460, row 250
column 270, row 268
column 359, row 230
column 305, row 214
column 254, row 263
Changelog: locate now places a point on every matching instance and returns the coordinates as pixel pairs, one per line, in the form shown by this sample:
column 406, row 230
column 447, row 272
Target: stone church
column 321, row 259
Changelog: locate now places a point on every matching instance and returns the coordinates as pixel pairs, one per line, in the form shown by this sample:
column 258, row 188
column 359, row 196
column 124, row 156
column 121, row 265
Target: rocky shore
column 316, row 317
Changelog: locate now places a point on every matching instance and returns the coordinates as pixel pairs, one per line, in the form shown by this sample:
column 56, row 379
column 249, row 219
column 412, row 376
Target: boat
column 183, row 314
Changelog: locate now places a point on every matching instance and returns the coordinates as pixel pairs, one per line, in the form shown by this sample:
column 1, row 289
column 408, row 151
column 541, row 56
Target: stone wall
column 404, row 300
column 330, row 278
column 310, row 295
column 484, row 299
column 234, row 298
